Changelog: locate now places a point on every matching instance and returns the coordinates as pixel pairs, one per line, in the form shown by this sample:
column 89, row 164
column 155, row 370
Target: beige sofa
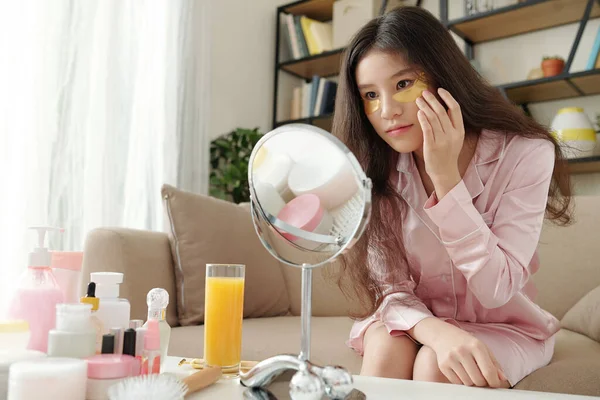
column 570, row 271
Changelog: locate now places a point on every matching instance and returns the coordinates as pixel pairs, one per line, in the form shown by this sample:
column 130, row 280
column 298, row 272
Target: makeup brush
column 163, row 386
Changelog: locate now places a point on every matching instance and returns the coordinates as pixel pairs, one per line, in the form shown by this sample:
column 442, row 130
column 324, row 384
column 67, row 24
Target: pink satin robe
column 472, row 254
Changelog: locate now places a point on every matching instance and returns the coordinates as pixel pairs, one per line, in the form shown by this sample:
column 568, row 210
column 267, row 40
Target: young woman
column 462, row 181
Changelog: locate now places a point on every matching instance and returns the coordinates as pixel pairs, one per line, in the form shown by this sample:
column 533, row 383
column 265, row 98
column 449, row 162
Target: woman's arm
column 495, row 259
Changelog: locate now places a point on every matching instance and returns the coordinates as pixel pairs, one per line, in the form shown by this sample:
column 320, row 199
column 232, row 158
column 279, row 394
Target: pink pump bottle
column 37, row 295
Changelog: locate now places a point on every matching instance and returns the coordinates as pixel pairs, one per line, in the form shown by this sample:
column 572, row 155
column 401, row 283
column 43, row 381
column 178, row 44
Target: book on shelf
column 305, row 36
column 594, row 60
column 313, row 99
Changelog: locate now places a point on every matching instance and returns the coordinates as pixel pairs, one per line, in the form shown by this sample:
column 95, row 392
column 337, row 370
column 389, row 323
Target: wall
column 243, row 62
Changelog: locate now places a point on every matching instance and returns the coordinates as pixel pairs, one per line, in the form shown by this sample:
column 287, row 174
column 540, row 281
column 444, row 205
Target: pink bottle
column 37, row 295
column 151, row 353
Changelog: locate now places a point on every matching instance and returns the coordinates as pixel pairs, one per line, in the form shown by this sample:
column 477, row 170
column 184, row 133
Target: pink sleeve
column 401, row 309
column 495, row 260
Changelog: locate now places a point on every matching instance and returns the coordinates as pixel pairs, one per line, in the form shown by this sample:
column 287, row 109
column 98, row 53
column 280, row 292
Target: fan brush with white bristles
column 163, row 386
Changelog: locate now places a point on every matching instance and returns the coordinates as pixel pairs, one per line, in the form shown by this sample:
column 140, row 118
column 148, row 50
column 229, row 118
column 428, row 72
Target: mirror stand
column 310, row 381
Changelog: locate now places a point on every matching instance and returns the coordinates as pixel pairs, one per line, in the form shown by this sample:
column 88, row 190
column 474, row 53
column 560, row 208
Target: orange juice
column 223, row 313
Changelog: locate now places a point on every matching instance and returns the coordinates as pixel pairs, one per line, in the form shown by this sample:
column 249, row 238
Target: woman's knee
column 388, row 356
column 426, row 367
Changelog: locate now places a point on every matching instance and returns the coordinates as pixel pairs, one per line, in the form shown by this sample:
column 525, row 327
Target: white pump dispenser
column 40, row 256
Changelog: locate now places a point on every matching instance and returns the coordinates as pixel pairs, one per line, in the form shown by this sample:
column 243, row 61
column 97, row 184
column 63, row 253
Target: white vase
column 575, row 131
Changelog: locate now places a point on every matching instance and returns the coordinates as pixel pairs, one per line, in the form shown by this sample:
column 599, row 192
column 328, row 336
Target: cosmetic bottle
column 118, row 334
column 90, row 298
column 37, row 295
column 151, row 354
column 113, row 311
column 158, row 300
column 140, row 335
column 129, row 340
column 74, row 335
column 108, row 344
column 66, row 266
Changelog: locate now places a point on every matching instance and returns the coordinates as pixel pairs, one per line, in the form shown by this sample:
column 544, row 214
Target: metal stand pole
column 306, row 312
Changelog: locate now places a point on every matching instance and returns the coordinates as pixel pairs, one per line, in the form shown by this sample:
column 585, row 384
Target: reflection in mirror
column 309, row 194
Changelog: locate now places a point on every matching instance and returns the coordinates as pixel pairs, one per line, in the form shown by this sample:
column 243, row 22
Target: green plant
column 229, row 157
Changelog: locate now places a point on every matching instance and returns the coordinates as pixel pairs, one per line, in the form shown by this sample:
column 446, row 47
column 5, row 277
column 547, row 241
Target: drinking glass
column 223, row 314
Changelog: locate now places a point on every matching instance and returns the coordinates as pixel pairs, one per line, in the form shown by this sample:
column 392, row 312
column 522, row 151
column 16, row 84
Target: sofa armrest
column 143, row 257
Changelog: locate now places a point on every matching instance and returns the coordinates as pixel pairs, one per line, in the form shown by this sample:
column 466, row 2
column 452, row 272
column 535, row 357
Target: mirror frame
column 258, row 212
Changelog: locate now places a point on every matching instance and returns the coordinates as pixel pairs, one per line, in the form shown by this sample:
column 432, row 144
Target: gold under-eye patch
column 372, row 105
column 405, row 96
column 412, row 93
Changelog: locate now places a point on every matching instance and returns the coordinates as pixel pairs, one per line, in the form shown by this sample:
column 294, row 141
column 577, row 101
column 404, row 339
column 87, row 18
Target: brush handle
column 202, row 379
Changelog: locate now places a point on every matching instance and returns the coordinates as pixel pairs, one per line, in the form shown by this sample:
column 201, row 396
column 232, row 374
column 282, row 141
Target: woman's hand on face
column 443, row 137
column 464, row 359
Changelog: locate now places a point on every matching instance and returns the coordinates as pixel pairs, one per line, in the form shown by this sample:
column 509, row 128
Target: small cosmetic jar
column 105, row 370
column 305, row 212
column 14, row 335
column 10, row 357
column 48, row 378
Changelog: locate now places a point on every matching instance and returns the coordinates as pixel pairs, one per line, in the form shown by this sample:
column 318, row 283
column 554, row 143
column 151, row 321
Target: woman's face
column 388, row 88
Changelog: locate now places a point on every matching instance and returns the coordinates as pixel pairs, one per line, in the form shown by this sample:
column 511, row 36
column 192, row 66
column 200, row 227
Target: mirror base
column 310, row 382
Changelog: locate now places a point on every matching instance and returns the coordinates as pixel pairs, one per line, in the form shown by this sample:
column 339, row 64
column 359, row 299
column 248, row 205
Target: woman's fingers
column 472, row 369
column 428, row 136
column 462, row 374
column 454, row 111
column 431, row 117
column 487, row 366
column 440, row 111
column 451, row 375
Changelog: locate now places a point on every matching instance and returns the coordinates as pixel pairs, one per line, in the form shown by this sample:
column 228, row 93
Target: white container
column 66, row 266
column 575, row 130
column 75, row 335
column 269, row 198
column 48, row 379
column 113, row 311
column 9, row 357
column 158, row 300
column 14, row 335
column 331, row 178
column 274, row 170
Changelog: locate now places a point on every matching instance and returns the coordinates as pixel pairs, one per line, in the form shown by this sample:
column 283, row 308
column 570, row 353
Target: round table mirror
column 310, row 197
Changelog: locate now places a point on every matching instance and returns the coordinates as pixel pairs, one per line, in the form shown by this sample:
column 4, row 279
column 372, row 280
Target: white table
column 379, row 388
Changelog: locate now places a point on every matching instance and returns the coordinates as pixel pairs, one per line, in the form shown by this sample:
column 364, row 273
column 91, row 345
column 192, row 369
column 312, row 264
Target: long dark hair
column 425, row 43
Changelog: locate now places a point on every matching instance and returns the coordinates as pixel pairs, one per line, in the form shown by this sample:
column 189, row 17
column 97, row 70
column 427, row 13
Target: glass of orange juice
column 223, row 314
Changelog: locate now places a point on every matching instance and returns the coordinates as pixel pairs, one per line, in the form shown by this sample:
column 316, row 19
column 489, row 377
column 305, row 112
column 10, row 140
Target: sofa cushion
column 569, row 258
column 573, row 368
column 584, row 317
column 266, row 337
column 204, row 230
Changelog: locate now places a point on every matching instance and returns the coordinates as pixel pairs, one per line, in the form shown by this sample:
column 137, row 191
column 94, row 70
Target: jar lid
column 303, row 212
column 109, row 366
column 14, row 326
